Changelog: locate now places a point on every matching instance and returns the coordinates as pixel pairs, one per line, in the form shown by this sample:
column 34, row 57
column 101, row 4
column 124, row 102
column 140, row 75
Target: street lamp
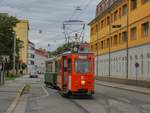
column 14, row 55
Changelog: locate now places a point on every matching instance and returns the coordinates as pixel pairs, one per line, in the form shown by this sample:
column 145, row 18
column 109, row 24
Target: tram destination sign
column 83, row 57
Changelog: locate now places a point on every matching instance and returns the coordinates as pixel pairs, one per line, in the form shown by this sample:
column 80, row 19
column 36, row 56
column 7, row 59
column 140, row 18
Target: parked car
column 33, row 75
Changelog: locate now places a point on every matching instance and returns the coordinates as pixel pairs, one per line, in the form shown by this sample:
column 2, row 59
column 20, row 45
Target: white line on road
column 47, row 94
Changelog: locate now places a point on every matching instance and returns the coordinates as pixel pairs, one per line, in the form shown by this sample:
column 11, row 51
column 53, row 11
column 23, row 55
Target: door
column 65, row 71
column 69, row 73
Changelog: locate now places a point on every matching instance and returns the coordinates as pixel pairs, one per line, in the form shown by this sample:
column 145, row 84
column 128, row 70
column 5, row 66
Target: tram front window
column 82, row 66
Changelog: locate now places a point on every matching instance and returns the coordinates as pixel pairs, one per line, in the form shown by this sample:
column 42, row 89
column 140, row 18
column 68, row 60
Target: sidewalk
column 8, row 93
column 125, row 87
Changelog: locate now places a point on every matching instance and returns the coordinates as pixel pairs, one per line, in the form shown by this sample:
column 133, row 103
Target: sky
column 48, row 16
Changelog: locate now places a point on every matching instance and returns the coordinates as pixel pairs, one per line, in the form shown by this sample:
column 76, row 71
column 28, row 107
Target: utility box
column 2, row 77
column 3, row 59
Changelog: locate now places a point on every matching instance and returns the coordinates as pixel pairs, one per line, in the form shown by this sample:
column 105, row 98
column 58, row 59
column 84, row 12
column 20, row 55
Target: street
column 106, row 100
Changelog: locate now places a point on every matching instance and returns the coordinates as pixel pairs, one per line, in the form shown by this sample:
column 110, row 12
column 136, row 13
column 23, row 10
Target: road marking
column 12, row 107
column 21, row 107
column 47, row 94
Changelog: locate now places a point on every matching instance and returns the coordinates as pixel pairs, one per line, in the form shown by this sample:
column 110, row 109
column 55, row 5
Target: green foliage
column 10, row 77
column 7, row 35
column 7, row 24
column 61, row 49
column 24, row 66
column 19, row 46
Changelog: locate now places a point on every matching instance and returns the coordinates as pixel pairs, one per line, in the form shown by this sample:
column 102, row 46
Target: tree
column 7, row 33
column 61, row 49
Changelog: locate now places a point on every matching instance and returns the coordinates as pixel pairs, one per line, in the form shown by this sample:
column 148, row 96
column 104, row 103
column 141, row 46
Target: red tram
column 76, row 74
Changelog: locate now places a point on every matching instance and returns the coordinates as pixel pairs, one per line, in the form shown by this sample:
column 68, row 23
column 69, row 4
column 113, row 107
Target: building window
column 115, row 40
column 111, row 41
column 102, row 44
column 102, row 24
column 92, row 47
column 115, row 15
column 124, row 36
column 144, row 1
column 119, row 12
column 142, row 64
column 32, row 56
column 96, row 47
column 131, row 65
column 108, row 20
column 133, row 4
column 145, row 29
column 119, row 38
column 108, row 43
column 133, row 33
column 136, row 57
column 92, row 31
column 112, row 18
column 124, row 9
column 31, row 62
column 96, row 28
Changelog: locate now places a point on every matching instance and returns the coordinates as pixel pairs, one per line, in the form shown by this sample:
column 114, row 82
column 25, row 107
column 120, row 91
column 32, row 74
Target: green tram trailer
column 50, row 77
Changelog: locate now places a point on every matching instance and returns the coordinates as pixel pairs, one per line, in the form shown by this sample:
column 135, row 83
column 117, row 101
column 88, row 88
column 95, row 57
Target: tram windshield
column 82, row 66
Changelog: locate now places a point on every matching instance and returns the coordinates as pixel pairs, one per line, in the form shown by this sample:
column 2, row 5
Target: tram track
column 107, row 102
column 74, row 102
column 79, row 106
column 131, row 101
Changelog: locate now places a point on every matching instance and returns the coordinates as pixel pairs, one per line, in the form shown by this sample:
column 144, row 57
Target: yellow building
column 22, row 29
column 120, row 38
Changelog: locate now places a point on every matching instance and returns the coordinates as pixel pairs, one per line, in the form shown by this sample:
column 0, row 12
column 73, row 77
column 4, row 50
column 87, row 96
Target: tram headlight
column 82, row 82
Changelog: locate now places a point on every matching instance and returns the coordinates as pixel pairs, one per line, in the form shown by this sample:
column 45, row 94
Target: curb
column 122, row 88
column 14, row 103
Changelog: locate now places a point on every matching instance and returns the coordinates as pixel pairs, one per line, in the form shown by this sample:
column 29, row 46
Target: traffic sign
column 137, row 65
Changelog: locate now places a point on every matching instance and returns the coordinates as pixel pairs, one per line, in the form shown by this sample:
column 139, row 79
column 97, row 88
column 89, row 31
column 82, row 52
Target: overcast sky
column 48, row 16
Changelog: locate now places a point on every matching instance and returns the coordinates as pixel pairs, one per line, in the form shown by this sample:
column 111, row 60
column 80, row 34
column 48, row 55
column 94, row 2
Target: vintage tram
column 50, row 77
column 73, row 73
column 76, row 74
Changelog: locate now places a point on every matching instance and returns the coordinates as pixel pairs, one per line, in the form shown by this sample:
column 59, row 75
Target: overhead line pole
column 127, row 41
column 14, row 55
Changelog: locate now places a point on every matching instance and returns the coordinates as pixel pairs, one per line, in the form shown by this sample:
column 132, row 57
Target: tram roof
column 80, row 52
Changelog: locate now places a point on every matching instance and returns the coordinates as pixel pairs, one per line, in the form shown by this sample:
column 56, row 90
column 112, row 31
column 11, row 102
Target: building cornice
column 105, row 12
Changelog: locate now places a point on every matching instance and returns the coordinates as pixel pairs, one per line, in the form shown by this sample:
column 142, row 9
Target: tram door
column 65, row 71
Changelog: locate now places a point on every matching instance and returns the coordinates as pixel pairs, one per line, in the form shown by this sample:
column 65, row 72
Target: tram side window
column 69, row 65
column 58, row 66
column 65, row 65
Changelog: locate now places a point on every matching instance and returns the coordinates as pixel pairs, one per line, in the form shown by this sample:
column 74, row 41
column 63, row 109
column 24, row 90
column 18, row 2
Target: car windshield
column 82, row 66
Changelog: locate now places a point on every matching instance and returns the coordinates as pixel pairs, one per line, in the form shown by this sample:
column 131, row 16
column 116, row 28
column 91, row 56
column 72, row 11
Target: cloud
column 48, row 16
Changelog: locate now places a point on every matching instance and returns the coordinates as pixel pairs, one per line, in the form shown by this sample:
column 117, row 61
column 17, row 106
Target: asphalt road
column 106, row 100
